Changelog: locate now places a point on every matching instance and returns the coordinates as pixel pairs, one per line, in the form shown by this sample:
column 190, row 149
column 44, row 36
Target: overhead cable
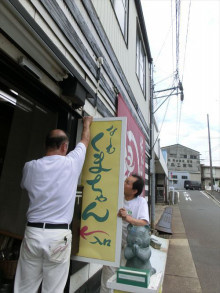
column 187, row 32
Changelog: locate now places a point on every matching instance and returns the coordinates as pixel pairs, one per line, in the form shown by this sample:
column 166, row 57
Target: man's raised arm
column 87, row 121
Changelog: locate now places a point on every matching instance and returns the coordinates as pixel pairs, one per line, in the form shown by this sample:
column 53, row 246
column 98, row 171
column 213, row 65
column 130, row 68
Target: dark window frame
column 140, row 49
column 124, row 31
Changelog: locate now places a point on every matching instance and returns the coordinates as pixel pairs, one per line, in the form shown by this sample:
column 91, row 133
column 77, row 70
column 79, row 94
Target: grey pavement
column 214, row 194
column 180, row 273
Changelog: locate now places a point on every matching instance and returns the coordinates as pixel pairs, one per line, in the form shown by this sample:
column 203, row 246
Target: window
column 174, row 176
column 184, row 177
column 121, row 11
column 193, row 157
column 140, row 63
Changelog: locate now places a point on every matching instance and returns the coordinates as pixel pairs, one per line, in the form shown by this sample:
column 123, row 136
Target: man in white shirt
column 51, row 183
column 135, row 212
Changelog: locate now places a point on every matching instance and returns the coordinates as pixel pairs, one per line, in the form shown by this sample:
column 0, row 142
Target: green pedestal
column 134, row 277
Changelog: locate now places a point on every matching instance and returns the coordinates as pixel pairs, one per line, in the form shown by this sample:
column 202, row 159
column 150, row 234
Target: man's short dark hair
column 54, row 141
column 138, row 184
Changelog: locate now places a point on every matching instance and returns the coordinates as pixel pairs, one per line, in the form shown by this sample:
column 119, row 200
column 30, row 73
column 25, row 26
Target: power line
column 168, row 97
column 171, row 75
column 172, row 33
column 177, row 36
column 163, row 43
column 179, row 109
column 162, row 122
column 176, row 79
column 187, row 32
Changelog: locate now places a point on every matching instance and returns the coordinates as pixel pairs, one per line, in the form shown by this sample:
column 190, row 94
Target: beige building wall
column 181, row 158
column 126, row 53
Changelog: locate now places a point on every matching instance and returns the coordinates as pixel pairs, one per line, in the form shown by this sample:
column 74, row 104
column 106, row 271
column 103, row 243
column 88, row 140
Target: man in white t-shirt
column 51, row 183
column 135, row 212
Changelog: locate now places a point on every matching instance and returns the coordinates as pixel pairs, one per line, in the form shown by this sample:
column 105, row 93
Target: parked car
column 193, row 185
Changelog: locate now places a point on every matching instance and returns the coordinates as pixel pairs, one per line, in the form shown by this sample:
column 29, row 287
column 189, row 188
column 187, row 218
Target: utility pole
column 152, row 154
column 210, row 154
column 153, row 140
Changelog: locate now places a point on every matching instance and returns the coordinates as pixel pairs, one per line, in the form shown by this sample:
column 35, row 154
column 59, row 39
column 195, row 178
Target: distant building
column 206, row 177
column 183, row 164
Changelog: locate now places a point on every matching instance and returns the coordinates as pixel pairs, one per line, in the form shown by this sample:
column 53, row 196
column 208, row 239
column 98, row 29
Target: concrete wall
column 181, row 158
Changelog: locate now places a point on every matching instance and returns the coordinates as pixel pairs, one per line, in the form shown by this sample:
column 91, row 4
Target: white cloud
column 200, row 71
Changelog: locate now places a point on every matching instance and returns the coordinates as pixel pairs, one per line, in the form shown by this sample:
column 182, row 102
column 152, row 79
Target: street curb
column 212, row 196
column 175, row 276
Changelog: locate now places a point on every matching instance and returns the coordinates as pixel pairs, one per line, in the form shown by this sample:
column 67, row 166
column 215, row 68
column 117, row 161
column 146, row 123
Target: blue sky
column 199, row 70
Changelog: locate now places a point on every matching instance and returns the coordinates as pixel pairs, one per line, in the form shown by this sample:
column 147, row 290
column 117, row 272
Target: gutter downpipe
column 152, row 154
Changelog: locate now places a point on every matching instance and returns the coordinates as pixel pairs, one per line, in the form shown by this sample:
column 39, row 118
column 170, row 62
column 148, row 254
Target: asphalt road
column 201, row 218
